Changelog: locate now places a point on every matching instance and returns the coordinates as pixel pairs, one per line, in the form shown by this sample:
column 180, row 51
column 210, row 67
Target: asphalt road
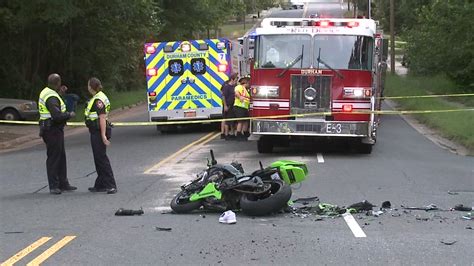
column 404, row 168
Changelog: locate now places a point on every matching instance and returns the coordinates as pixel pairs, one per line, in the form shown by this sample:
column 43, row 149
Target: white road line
column 353, row 225
column 320, row 158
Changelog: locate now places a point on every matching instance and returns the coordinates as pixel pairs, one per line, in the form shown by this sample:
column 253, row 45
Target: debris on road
column 377, row 213
column 362, row 206
column 126, row 212
column 431, row 207
column 448, row 243
column 166, row 229
column 306, row 201
column 453, row 193
column 460, row 207
column 386, row 205
column 468, row 216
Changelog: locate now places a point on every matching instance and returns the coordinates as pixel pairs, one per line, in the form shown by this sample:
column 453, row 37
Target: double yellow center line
column 43, row 256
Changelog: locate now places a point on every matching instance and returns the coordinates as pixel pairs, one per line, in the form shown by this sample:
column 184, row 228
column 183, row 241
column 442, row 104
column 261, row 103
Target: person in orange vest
column 241, row 108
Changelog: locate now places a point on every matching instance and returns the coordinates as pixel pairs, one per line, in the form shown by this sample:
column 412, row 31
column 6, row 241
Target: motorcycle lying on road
column 224, row 187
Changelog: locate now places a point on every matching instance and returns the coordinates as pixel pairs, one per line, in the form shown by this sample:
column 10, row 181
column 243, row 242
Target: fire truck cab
column 317, row 78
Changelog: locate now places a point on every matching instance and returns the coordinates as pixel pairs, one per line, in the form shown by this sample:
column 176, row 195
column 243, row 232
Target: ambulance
column 184, row 79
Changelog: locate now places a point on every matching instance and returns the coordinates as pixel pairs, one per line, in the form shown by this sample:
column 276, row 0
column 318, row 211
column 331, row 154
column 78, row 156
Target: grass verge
column 118, row 100
column 458, row 126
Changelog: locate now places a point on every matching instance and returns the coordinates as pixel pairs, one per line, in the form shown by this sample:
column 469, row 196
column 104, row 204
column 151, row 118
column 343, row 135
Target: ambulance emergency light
column 150, row 49
column 151, row 72
column 222, row 68
column 220, row 45
column 185, row 47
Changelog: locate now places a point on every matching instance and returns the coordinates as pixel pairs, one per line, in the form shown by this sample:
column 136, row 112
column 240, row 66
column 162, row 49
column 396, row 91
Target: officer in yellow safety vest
column 53, row 117
column 100, row 131
column 241, row 108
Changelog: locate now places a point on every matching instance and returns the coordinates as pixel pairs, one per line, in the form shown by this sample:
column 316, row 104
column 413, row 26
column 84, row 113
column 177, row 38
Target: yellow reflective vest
column 92, row 115
column 241, row 90
column 45, row 94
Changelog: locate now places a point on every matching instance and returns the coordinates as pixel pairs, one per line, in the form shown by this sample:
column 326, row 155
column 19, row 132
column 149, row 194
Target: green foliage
column 443, row 42
column 104, row 38
column 405, row 13
column 77, row 39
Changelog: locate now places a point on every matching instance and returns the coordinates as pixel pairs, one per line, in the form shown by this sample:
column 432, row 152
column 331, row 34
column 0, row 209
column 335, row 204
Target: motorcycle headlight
column 266, row 91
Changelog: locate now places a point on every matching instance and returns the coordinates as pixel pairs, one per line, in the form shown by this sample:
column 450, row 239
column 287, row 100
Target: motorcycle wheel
column 181, row 203
column 273, row 201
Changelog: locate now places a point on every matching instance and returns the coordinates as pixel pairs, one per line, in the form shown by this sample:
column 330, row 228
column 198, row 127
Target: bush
column 443, row 42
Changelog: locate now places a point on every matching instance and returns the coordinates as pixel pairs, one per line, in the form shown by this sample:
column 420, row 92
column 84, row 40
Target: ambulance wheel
column 264, row 145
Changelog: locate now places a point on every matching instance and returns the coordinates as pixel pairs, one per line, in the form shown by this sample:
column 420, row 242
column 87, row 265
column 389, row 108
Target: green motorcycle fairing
column 210, row 190
column 291, row 171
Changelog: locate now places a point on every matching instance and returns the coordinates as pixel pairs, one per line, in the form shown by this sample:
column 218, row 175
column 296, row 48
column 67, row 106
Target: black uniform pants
column 105, row 176
column 56, row 161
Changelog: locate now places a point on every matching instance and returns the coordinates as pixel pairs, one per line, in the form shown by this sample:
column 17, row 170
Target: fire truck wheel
column 264, row 145
column 363, row 148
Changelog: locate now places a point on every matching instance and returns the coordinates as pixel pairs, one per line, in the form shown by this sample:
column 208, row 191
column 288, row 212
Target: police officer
column 53, row 117
column 100, row 130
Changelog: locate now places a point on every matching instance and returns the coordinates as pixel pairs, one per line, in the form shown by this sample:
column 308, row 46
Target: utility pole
column 392, row 37
column 369, row 10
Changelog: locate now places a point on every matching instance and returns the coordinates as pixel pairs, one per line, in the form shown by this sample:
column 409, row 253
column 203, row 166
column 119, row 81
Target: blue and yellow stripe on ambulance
column 213, row 79
column 158, row 83
column 154, row 61
column 187, row 89
column 167, row 86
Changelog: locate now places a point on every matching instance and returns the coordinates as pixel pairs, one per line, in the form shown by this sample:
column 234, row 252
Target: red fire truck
column 317, row 78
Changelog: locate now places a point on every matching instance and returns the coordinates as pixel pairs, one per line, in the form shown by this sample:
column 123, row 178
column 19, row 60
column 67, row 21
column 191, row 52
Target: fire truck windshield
column 279, row 51
column 337, row 51
column 344, row 52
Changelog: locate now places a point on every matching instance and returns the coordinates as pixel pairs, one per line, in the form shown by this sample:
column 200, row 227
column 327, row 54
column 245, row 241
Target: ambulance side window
column 175, row 67
column 198, row 66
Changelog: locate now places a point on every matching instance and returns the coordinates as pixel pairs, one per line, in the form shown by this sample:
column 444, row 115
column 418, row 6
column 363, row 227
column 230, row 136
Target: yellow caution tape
column 182, row 122
column 428, row 96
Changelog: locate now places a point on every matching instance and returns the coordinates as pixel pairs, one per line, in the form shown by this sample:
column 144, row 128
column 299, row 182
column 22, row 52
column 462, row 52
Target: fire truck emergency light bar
column 320, row 23
column 304, row 22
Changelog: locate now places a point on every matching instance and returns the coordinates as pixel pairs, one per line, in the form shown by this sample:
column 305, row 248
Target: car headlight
column 26, row 106
column 266, row 91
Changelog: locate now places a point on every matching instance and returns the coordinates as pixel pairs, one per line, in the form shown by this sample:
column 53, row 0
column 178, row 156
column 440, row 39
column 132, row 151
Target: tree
column 443, row 41
column 76, row 39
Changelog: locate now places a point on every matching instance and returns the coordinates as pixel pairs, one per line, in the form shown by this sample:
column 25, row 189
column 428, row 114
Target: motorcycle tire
column 181, row 204
column 258, row 205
